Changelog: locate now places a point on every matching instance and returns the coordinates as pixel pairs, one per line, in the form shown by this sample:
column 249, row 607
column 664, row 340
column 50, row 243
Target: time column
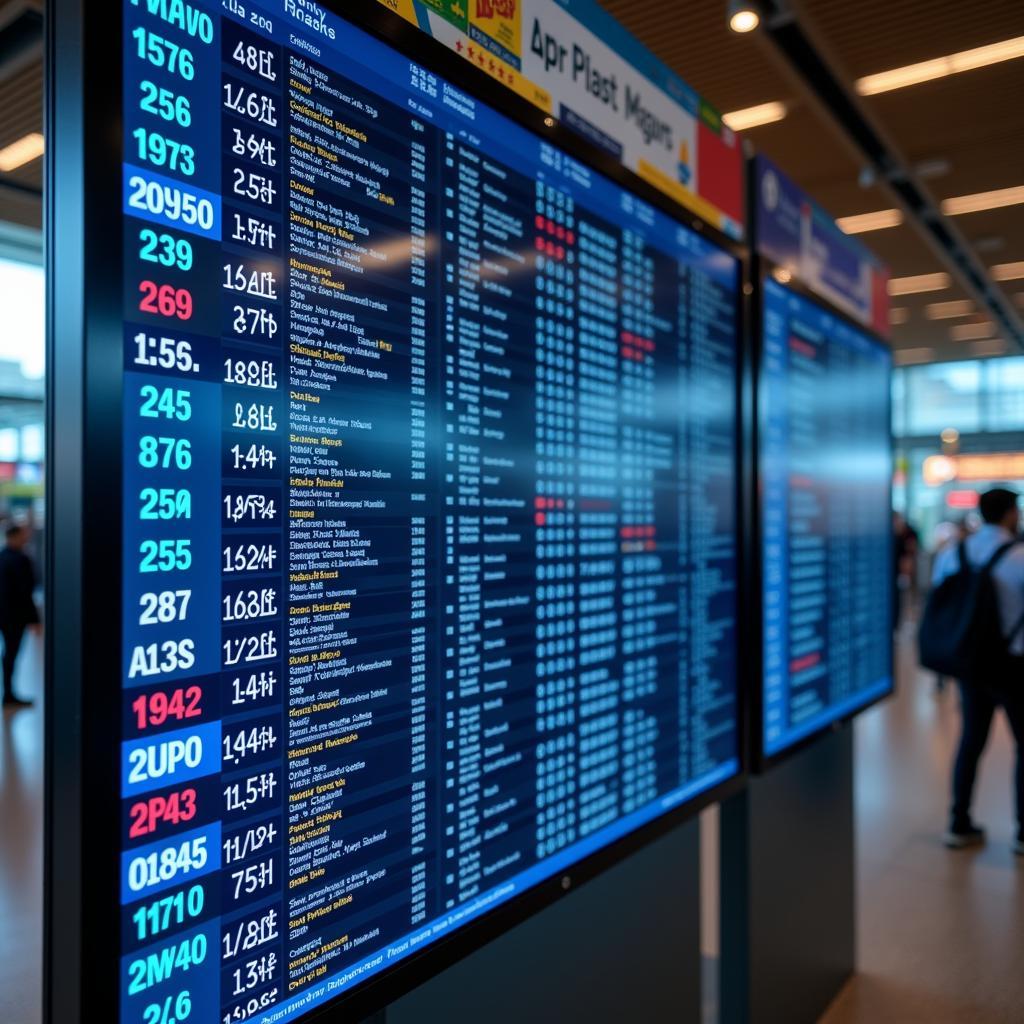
column 171, row 730
column 253, row 461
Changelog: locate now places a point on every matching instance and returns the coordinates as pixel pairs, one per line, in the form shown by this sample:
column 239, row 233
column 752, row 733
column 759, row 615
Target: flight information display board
column 826, row 471
column 429, row 511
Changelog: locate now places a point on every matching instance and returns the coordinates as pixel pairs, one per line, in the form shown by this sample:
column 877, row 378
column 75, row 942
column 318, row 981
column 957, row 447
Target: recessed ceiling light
column 919, row 283
column 24, row 151
column 1007, row 271
column 971, row 332
column 977, row 201
column 906, row 356
column 753, row 117
column 947, row 310
column 899, row 315
column 875, row 221
column 782, row 275
column 940, row 67
column 743, row 18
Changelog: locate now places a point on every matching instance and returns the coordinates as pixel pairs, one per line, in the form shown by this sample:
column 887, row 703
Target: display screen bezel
column 84, row 704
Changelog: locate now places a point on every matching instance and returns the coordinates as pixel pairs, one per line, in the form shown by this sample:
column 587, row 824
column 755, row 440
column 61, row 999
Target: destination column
column 355, row 521
column 252, row 462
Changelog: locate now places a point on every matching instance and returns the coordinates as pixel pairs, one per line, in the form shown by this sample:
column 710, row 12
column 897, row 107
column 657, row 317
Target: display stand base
column 624, row 947
column 787, row 888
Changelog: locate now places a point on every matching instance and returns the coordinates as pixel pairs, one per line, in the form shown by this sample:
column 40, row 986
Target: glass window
column 22, row 340
column 1004, row 400
column 32, row 447
column 8, row 444
column 899, row 411
column 943, row 395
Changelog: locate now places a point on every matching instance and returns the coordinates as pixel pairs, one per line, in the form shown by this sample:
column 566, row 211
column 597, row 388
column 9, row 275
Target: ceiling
column 970, row 126
column 21, row 106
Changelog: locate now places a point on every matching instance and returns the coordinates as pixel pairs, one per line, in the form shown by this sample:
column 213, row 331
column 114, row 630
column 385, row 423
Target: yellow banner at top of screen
column 492, row 65
column 679, row 192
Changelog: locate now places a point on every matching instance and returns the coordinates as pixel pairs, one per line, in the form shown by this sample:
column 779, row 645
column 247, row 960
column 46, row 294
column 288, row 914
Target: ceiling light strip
column 919, row 283
column 948, row 310
column 25, row 150
column 941, row 67
column 1007, row 271
column 753, row 117
column 874, row 221
column 977, row 201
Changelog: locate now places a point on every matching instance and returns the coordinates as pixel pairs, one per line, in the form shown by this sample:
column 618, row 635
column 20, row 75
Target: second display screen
column 826, row 468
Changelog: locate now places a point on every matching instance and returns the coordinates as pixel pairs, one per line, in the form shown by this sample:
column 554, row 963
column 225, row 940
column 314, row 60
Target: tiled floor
column 941, row 934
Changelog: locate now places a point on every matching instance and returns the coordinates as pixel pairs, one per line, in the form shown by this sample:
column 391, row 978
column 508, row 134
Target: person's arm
column 947, row 561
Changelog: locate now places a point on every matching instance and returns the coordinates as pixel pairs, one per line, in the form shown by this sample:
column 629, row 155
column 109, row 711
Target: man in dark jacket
column 17, row 607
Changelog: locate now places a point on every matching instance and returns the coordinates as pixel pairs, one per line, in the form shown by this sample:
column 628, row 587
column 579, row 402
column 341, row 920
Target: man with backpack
column 973, row 629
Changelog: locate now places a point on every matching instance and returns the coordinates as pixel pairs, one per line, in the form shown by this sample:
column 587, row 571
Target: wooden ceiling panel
column 969, row 126
column 21, row 104
column 21, row 112
column 972, row 122
column 730, row 71
column 877, row 35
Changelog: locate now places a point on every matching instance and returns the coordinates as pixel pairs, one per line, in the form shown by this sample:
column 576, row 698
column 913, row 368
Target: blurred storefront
column 959, row 429
column 22, row 379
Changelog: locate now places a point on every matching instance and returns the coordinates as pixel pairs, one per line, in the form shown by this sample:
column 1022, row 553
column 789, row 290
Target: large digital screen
column 429, row 511
column 826, row 521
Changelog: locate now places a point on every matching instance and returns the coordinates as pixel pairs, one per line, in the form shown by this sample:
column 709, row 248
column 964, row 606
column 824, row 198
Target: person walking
column 996, row 560
column 18, row 610
column 905, row 550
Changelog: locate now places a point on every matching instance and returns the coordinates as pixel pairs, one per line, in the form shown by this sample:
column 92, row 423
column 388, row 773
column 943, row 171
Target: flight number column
column 650, row 458
column 808, row 564
column 600, row 487
column 171, row 831
column 711, row 536
column 561, row 333
column 253, row 461
column 774, row 457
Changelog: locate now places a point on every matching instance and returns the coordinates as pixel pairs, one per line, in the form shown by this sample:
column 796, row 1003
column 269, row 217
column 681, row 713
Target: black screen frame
column 83, row 694
column 762, row 268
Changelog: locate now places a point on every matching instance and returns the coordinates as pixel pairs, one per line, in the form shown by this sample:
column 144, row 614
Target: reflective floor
column 21, row 857
column 941, row 934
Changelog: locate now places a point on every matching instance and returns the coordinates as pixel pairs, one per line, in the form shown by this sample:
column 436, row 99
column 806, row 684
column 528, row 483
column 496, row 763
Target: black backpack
column 961, row 633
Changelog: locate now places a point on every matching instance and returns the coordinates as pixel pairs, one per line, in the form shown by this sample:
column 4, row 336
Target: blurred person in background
column 994, row 552
column 946, row 535
column 18, row 610
column 905, row 549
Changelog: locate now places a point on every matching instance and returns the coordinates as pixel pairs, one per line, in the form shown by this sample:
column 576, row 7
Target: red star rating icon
column 481, row 59
column 470, row 51
column 492, row 67
column 458, row 45
column 501, row 74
